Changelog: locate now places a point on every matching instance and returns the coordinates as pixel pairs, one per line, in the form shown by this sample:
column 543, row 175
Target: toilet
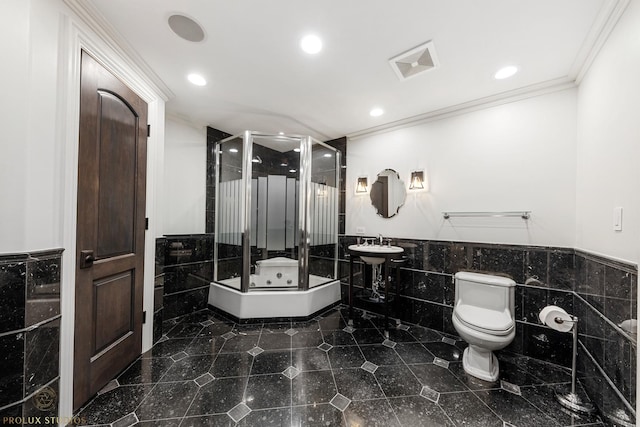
column 483, row 316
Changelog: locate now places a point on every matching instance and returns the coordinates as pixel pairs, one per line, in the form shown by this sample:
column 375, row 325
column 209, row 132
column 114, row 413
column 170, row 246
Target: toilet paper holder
column 560, row 320
column 571, row 400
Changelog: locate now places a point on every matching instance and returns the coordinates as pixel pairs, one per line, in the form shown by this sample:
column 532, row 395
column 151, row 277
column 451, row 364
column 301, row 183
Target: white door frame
column 79, row 32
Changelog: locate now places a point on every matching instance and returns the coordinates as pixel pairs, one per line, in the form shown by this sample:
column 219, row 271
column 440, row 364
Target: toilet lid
column 492, row 321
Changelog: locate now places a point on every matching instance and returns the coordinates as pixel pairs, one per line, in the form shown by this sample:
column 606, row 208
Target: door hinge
column 148, row 131
column 144, row 317
column 146, row 223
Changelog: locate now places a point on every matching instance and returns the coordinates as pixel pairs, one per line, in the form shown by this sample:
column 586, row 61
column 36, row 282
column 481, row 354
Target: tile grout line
column 386, row 398
column 344, row 418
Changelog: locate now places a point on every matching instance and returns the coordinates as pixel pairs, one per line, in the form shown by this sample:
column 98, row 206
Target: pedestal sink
column 380, row 257
column 375, row 254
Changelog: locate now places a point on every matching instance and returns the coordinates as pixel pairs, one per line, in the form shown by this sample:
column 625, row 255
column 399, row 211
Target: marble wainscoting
column 158, row 289
column 30, row 334
column 600, row 291
column 187, row 273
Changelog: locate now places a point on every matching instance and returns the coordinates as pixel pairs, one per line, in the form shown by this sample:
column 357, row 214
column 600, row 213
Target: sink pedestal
column 374, row 255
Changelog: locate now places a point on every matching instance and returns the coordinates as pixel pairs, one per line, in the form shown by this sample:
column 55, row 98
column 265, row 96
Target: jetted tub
column 273, row 292
column 279, row 272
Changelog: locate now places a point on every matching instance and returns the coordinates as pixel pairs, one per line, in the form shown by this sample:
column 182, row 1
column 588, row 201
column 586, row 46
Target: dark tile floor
column 211, row 371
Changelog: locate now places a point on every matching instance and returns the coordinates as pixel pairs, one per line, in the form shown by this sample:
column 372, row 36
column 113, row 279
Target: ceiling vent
column 415, row 61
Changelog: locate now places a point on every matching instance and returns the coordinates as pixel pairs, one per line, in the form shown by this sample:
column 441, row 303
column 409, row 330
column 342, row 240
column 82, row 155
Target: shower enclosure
column 276, row 225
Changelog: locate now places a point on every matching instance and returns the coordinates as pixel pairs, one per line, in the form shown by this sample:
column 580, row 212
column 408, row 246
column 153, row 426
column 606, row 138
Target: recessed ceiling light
column 233, row 150
column 297, row 150
column 197, row 79
column 311, row 44
column 327, row 155
column 280, row 133
column 292, row 170
column 376, row 112
column 505, row 72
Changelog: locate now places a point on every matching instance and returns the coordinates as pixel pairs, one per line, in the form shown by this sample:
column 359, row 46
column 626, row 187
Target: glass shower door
column 229, row 212
column 323, row 214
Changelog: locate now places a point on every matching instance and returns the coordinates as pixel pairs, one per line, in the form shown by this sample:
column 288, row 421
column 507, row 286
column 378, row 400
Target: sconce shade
column 361, row 186
column 417, row 180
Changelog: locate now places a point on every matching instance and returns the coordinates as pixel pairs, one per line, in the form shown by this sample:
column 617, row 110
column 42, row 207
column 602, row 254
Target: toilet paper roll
column 556, row 318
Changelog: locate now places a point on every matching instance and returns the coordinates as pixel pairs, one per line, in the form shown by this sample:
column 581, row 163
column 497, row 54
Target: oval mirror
column 387, row 193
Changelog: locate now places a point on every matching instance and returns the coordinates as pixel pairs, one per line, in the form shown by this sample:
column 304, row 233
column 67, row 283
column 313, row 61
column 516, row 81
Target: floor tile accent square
column 291, row 332
column 349, row 329
column 111, row 385
column 448, row 341
column 179, row 356
column 238, row 412
column 511, row 388
column 126, row 421
column 204, row 379
column 441, row 362
column 325, row 347
column 369, row 367
column 207, row 323
column 162, row 339
column 291, row 372
column 403, row 327
column 430, row 394
column 341, row 402
column 388, row 343
column 228, row 335
column 255, row 351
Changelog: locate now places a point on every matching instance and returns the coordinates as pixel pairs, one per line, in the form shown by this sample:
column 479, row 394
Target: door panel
column 117, row 170
column 110, row 229
column 113, row 314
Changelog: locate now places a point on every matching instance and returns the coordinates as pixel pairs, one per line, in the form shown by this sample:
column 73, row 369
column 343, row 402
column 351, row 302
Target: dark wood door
column 110, row 229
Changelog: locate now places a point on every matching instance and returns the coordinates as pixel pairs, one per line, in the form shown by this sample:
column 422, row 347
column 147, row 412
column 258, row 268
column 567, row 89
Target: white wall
column 41, row 40
column 516, row 156
column 185, row 172
column 16, row 166
column 609, row 144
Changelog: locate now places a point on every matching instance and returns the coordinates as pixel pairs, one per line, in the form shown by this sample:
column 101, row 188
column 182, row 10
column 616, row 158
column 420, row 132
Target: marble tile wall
column 30, row 334
column 599, row 291
column 158, row 289
column 606, row 302
column 187, row 272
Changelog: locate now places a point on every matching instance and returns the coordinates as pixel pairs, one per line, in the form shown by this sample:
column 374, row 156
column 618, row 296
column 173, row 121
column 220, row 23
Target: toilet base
column 480, row 363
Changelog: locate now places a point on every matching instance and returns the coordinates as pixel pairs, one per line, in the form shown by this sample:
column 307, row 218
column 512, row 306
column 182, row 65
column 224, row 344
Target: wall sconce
column 361, row 185
column 417, row 180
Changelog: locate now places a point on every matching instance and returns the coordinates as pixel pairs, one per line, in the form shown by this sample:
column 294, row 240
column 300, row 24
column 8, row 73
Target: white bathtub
column 284, row 300
column 279, row 272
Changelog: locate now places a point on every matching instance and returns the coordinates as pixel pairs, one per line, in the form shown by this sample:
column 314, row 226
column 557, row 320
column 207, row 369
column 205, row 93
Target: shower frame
column 306, row 144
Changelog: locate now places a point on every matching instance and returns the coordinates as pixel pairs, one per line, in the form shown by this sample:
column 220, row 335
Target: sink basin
column 368, row 253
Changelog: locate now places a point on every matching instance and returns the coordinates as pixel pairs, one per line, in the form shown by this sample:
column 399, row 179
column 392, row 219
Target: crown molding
column 97, row 23
column 602, row 27
column 605, row 22
column 515, row 95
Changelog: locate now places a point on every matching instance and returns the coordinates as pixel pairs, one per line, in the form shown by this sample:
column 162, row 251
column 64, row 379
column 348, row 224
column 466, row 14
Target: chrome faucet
column 380, row 238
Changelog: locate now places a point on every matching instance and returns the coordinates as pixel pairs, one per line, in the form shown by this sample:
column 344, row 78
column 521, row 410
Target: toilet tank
column 485, row 291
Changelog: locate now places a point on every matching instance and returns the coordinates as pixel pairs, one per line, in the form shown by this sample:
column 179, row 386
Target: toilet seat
column 498, row 323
